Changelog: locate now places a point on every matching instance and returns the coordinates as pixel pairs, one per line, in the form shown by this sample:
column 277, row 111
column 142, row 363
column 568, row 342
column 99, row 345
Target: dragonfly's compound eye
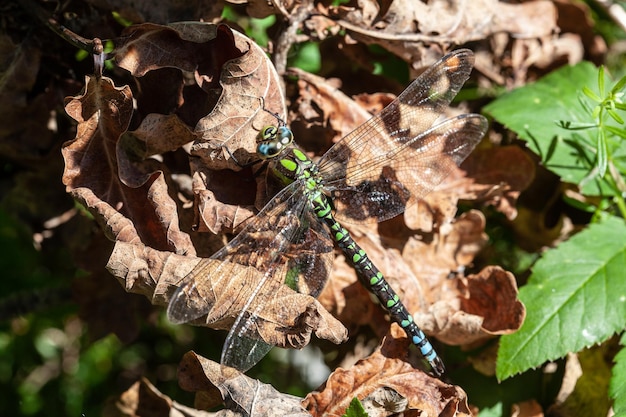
column 284, row 135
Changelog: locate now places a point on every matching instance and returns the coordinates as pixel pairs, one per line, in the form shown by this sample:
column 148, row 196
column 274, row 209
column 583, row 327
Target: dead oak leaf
column 216, row 384
column 287, row 319
column 487, row 305
column 419, row 32
column 441, row 23
column 499, row 175
column 387, row 371
column 156, row 134
column 493, row 295
column 146, row 213
column 317, row 100
column 144, row 399
column 242, row 96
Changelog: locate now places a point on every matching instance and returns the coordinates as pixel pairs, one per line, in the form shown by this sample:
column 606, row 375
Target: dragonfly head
column 273, row 140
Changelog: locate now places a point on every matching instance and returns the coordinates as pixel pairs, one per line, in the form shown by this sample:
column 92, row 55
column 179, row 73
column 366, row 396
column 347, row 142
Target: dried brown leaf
column 144, row 399
column 146, row 213
column 24, row 132
column 287, row 320
column 406, row 26
column 487, row 305
column 242, row 396
column 388, row 369
column 493, row 295
column 454, row 21
column 250, row 91
column 157, row 134
column 499, row 174
column 243, row 94
column 318, row 99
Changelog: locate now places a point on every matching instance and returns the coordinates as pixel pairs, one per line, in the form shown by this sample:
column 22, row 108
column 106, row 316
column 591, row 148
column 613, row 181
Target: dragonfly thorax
column 273, row 141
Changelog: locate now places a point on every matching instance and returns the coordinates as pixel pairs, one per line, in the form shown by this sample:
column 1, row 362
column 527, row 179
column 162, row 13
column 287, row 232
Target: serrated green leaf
column 355, row 409
column 576, row 297
column 533, row 112
column 617, row 389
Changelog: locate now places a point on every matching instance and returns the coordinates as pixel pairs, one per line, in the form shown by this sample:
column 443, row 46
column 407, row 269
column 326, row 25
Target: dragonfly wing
column 191, row 301
column 249, row 285
column 407, row 172
column 365, row 163
column 411, row 113
column 302, row 267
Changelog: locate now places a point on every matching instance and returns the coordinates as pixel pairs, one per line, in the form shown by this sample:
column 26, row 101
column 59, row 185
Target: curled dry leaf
column 127, row 191
column 236, row 94
column 317, row 99
column 388, row 371
column 499, row 175
column 487, row 306
column 215, row 384
column 144, row 399
column 287, row 321
column 143, row 214
column 440, row 22
column 24, row 135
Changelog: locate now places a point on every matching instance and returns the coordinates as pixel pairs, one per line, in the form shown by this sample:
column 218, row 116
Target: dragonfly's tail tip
column 438, row 367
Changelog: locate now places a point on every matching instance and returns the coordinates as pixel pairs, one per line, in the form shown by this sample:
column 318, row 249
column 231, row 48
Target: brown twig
column 288, row 36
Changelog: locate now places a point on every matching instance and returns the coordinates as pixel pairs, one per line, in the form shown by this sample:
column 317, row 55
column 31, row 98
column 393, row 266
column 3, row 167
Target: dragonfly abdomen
column 375, row 282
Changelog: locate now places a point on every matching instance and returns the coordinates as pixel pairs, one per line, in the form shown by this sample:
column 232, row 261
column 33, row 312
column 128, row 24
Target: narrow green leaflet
column 535, row 112
column 576, row 297
column 617, row 389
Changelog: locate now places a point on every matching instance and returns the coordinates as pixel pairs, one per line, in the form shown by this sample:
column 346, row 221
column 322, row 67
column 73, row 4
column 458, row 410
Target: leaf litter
column 503, row 59
column 215, row 103
column 112, row 170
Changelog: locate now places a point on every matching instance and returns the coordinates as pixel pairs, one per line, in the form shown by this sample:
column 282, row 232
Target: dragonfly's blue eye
column 273, row 141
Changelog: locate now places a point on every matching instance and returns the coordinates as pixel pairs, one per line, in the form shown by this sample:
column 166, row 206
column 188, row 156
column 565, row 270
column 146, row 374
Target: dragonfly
column 370, row 175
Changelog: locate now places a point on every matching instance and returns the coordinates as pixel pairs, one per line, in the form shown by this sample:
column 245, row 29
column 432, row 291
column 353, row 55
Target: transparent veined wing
column 278, row 260
column 374, row 169
column 408, row 172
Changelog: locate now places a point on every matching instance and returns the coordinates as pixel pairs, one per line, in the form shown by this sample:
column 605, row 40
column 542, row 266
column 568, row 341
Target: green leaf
column 619, row 85
column 355, row 409
column 307, row 57
column 576, row 297
column 591, row 94
column 495, row 411
column 603, row 154
column 615, row 116
column 617, row 389
column 601, row 80
column 533, row 113
column 617, row 131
